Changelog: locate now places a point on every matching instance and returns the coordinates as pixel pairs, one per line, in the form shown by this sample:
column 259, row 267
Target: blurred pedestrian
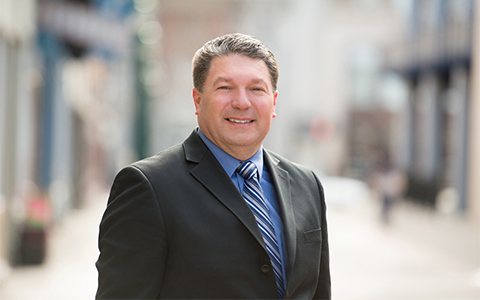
column 218, row 216
column 390, row 183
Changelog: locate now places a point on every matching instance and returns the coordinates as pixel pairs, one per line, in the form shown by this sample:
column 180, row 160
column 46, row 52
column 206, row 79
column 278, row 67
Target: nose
column 241, row 100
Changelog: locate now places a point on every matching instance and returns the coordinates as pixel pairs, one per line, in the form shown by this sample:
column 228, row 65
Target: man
column 218, row 217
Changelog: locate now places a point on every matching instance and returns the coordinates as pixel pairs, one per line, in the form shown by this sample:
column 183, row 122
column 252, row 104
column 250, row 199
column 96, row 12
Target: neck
column 242, row 153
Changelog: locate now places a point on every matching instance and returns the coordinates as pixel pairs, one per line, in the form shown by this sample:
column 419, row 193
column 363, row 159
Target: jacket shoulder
column 168, row 159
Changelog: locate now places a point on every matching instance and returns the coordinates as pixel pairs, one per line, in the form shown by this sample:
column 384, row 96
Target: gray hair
column 236, row 43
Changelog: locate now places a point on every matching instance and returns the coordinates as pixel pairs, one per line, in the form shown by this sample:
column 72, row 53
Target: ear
column 274, row 114
column 196, row 100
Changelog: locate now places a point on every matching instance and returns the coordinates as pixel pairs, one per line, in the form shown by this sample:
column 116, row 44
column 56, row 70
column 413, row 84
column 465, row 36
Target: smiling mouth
column 240, row 121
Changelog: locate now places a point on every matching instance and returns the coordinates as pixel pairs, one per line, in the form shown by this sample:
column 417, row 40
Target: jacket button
column 265, row 268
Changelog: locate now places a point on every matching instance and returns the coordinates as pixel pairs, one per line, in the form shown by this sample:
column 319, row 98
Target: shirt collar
column 228, row 162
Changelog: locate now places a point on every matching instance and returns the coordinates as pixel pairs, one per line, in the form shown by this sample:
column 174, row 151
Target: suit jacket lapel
column 211, row 174
column 281, row 181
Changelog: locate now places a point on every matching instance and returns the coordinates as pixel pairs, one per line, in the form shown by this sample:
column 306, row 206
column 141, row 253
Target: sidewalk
column 69, row 270
column 420, row 256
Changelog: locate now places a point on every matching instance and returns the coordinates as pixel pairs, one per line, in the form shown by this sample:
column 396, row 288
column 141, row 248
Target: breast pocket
column 313, row 236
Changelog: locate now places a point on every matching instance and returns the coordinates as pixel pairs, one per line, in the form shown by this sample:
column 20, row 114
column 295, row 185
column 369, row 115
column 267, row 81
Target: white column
column 474, row 130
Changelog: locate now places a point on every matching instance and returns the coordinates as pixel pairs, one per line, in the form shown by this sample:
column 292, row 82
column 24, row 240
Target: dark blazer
column 176, row 227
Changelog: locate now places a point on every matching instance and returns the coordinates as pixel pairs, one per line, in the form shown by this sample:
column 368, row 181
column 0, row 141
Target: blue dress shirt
column 230, row 164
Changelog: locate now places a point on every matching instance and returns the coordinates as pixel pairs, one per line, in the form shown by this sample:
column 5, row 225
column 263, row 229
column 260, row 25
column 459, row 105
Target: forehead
column 237, row 66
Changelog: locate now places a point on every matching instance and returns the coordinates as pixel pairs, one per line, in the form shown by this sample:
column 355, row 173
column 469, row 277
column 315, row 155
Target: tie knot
column 247, row 169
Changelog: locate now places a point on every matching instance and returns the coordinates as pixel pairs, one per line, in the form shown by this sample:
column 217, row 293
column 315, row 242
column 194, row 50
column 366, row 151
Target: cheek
column 267, row 110
column 217, row 108
column 209, row 112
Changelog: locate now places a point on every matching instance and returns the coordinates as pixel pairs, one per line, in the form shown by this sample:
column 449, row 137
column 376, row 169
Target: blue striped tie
column 254, row 197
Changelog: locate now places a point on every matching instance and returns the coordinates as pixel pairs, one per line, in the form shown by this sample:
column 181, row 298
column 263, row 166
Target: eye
column 258, row 89
column 224, row 87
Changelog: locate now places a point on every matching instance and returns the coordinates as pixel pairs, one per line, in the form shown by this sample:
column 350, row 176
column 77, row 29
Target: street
column 421, row 255
column 69, row 270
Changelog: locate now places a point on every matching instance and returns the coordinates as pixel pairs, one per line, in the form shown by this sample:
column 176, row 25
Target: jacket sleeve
column 132, row 240
column 324, row 284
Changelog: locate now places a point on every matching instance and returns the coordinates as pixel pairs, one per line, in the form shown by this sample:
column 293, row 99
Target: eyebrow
column 221, row 78
column 259, row 80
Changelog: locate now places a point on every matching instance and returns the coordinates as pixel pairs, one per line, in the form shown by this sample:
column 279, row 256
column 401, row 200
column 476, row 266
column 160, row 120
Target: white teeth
column 240, row 121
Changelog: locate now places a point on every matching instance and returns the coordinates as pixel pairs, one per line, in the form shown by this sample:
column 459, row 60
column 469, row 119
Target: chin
column 245, row 142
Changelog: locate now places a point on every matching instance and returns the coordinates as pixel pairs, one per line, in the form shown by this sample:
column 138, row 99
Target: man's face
column 237, row 104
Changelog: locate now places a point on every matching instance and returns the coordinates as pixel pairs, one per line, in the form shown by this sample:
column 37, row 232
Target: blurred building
column 473, row 187
column 67, row 105
column 17, row 151
column 434, row 61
